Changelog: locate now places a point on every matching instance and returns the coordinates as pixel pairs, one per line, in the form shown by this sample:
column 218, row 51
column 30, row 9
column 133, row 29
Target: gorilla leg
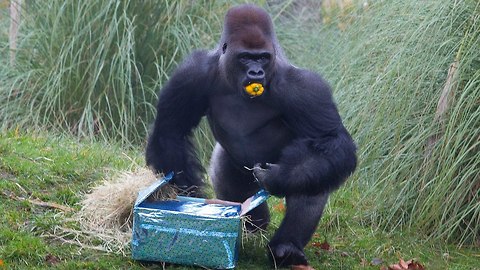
column 300, row 221
column 236, row 184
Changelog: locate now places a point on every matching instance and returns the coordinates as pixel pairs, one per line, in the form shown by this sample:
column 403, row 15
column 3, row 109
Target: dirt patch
column 6, row 175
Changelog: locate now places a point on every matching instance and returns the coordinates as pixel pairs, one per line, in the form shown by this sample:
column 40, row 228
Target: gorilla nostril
column 252, row 74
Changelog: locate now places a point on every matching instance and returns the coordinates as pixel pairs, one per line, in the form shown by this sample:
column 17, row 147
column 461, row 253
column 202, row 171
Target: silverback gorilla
column 290, row 133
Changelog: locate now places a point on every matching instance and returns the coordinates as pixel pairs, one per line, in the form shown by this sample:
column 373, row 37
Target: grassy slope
column 58, row 170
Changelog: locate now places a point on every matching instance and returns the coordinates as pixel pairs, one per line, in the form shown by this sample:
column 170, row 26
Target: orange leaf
column 415, row 266
column 325, row 245
column 395, row 267
column 279, row 207
column 406, row 265
column 403, row 264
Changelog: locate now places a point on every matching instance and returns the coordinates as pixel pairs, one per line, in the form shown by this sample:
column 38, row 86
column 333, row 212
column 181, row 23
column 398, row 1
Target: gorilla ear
column 224, row 48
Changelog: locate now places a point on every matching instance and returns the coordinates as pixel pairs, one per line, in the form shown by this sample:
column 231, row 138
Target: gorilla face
column 246, row 66
column 254, row 66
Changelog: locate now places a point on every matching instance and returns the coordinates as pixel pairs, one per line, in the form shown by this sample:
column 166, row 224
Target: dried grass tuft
column 106, row 212
column 259, row 237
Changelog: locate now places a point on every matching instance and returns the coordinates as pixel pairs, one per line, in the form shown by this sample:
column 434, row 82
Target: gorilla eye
column 265, row 57
column 224, row 48
column 244, row 59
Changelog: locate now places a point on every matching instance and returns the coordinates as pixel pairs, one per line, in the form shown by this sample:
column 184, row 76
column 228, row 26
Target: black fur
column 293, row 129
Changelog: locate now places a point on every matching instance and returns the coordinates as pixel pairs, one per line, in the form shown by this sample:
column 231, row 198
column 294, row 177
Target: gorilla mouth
column 254, row 89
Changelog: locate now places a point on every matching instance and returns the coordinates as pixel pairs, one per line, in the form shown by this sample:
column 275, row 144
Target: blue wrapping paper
column 187, row 231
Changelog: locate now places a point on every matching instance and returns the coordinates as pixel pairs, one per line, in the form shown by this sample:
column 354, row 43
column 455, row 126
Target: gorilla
column 276, row 126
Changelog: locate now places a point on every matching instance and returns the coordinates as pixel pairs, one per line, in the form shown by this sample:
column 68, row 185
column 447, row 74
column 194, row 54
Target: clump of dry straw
column 106, row 212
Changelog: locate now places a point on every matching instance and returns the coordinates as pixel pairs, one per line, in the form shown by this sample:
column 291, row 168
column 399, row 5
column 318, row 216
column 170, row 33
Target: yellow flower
column 254, row 89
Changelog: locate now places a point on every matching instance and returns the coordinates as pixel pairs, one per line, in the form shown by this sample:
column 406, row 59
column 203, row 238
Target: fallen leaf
column 395, row 267
column 279, row 207
column 52, row 259
column 403, row 264
column 325, row 245
column 415, row 266
column 406, row 265
column 301, row 267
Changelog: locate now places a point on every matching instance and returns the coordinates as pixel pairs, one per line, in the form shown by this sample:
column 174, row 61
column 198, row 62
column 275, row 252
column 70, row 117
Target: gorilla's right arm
column 181, row 104
column 323, row 154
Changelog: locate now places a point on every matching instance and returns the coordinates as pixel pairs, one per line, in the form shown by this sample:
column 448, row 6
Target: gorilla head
column 248, row 47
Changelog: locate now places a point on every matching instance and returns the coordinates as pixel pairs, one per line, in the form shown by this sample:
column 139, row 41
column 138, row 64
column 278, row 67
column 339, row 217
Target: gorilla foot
column 286, row 254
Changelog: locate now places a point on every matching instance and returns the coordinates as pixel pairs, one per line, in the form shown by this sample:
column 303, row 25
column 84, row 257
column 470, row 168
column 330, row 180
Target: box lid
column 248, row 205
column 143, row 194
column 254, row 201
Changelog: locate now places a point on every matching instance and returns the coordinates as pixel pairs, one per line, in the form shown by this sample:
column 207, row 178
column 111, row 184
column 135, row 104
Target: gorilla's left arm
column 322, row 155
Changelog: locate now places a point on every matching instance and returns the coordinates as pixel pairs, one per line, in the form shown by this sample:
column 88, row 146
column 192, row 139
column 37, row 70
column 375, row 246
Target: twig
column 78, row 243
column 41, row 203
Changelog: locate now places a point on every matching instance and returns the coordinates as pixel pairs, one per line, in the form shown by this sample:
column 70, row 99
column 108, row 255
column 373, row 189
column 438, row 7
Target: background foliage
column 407, row 78
column 93, row 68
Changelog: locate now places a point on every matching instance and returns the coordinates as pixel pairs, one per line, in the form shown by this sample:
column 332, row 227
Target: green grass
column 59, row 169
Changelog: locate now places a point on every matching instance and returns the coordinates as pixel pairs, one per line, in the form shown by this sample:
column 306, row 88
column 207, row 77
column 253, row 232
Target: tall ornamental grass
column 406, row 76
column 93, row 68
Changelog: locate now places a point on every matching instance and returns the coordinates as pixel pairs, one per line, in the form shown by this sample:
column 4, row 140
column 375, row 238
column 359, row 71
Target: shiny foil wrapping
column 188, row 232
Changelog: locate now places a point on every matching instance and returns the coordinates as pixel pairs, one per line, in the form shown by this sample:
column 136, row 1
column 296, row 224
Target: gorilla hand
column 267, row 176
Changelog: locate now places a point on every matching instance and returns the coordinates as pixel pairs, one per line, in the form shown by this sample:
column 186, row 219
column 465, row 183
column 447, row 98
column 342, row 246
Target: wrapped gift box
column 191, row 231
